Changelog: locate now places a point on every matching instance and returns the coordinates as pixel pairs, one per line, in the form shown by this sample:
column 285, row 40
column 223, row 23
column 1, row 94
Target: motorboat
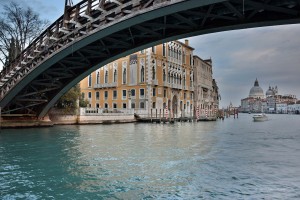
column 260, row 117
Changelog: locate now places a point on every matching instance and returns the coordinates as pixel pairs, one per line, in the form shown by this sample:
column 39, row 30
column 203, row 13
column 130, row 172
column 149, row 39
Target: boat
column 260, row 117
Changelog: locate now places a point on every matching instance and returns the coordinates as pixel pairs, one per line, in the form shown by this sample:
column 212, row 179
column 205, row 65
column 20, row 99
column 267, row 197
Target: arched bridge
column 96, row 32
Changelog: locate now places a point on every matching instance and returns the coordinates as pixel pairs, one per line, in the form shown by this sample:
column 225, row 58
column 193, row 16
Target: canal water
column 230, row 159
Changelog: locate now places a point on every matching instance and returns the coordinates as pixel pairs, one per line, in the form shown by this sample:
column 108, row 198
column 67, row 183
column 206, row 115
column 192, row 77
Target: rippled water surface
column 230, row 159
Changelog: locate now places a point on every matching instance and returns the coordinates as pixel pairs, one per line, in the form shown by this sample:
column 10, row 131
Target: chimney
column 186, row 42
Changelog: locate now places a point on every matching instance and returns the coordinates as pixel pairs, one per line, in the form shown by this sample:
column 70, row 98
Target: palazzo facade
column 155, row 78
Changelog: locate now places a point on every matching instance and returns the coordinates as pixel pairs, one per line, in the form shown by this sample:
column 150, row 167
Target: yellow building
column 155, row 78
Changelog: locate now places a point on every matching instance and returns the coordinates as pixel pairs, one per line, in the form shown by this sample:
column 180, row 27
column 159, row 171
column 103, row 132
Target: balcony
column 105, row 85
column 166, row 84
column 154, row 82
column 175, row 86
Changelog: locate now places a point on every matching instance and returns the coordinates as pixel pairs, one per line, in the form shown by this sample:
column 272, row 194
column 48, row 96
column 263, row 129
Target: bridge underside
column 38, row 91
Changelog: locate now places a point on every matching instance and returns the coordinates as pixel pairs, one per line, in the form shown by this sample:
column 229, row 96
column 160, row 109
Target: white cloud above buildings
column 271, row 54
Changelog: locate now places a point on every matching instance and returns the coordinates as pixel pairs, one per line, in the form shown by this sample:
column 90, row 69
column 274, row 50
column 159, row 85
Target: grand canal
column 230, row 159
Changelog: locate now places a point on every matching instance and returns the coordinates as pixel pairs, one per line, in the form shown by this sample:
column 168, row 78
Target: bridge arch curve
column 85, row 42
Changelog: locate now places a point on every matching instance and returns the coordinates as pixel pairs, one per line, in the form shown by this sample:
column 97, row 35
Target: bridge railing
column 76, row 22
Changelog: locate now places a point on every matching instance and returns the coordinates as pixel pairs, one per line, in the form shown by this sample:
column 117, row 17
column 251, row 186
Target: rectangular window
column 106, row 105
column 105, row 95
column 164, row 49
column 159, row 91
column 153, row 49
column 153, row 105
column 90, row 80
column 132, row 105
column 115, row 94
column 165, row 93
column 142, row 93
column 114, row 105
column 97, row 105
column 124, row 105
column 90, row 95
column 97, row 95
column 124, row 94
column 154, row 92
column 184, row 95
column 133, row 92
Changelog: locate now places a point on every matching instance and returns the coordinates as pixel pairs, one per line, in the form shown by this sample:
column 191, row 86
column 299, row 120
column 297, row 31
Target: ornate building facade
column 154, row 80
column 205, row 88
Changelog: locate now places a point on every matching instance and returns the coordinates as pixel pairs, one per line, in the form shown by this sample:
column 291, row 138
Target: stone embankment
column 91, row 116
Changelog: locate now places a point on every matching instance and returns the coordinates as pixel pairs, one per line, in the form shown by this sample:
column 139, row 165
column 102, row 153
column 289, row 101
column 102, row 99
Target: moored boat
column 260, row 117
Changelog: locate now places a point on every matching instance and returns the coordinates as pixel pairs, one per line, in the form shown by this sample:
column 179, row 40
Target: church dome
column 270, row 92
column 256, row 91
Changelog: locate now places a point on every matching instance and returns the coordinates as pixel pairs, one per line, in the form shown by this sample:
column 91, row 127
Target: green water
column 231, row 159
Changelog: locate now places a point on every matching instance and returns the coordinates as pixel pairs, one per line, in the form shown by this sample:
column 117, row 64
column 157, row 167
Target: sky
column 270, row 54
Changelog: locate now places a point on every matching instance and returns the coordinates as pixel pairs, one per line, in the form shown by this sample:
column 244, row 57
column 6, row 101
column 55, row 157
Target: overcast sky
column 270, row 54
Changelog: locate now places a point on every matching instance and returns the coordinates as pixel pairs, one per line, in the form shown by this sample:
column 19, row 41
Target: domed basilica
column 256, row 91
column 271, row 103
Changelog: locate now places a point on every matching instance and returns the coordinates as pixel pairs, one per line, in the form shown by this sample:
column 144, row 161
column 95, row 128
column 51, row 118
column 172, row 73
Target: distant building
column 271, row 103
column 256, row 91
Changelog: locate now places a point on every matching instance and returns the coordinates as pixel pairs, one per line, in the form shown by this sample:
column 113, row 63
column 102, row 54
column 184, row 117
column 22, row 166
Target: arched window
column 164, row 75
column 106, row 77
column 115, row 76
column 142, row 74
column 153, row 73
column 98, row 77
column 142, row 105
column 124, row 76
column 179, row 55
column 90, row 81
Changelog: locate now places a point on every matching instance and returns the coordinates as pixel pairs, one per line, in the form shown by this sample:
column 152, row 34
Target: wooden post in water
column 160, row 115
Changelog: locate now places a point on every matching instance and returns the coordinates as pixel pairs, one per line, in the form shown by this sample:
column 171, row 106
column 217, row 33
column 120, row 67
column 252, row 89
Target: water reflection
column 233, row 159
column 147, row 156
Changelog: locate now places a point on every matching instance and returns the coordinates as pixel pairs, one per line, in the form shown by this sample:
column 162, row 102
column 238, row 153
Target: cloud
column 271, row 54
